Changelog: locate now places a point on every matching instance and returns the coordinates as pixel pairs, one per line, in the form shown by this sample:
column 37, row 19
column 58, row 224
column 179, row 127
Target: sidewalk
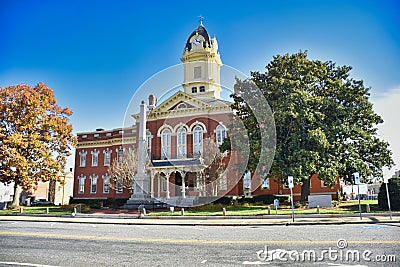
column 131, row 219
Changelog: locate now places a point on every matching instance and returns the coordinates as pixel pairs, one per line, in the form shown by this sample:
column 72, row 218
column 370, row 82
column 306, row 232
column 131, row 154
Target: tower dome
column 199, row 31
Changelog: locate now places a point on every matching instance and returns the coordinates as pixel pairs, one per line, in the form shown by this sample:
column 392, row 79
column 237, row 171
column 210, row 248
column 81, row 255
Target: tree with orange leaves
column 35, row 136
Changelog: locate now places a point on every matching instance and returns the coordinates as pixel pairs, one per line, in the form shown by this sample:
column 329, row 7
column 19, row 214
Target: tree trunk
column 17, row 190
column 305, row 189
column 52, row 190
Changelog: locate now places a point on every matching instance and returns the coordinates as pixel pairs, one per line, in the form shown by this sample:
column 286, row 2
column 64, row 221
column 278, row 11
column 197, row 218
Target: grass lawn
column 348, row 207
column 60, row 210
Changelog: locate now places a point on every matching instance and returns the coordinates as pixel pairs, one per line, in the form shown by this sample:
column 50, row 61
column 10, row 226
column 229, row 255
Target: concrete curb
column 205, row 221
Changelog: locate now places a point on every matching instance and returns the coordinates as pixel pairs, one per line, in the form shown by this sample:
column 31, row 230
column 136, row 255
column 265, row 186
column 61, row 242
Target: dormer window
column 202, row 89
column 194, row 90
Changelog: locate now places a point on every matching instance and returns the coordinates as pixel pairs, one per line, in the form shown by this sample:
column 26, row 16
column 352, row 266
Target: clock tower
column 202, row 64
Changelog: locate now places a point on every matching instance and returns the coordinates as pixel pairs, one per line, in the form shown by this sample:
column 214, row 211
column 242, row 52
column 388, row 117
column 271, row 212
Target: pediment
column 178, row 101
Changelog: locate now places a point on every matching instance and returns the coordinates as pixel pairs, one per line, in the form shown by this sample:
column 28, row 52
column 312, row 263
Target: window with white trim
column 198, row 141
column 164, row 184
column 95, row 158
column 93, row 184
column 220, row 134
column 265, row 183
column 82, row 158
column 181, row 142
column 166, row 144
column 247, row 180
column 120, row 155
column 107, row 157
column 223, row 182
column 106, row 183
column 81, row 180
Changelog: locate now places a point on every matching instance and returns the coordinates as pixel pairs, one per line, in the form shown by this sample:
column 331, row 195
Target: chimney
column 152, row 102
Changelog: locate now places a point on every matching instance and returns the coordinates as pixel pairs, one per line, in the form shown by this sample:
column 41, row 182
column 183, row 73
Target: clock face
column 196, row 41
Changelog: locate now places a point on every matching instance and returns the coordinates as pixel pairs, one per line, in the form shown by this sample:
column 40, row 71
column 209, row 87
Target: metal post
column 291, row 200
column 359, row 201
column 388, row 199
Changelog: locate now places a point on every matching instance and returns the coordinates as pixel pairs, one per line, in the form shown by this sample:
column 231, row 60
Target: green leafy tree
column 324, row 121
column 35, row 137
column 394, row 195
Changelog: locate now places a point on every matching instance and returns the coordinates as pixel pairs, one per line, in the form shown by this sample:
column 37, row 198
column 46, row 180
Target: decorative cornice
column 106, row 143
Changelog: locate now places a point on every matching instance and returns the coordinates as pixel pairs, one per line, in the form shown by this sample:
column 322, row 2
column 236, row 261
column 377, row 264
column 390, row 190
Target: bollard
column 182, row 211
column 224, row 211
column 47, row 210
column 367, row 208
column 269, row 210
column 317, row 209
column 21, row 210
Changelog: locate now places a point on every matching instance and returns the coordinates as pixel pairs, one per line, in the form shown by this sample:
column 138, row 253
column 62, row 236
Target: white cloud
column 387, row 106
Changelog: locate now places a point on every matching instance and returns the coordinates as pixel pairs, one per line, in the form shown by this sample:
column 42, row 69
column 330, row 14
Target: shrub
column 394, row 193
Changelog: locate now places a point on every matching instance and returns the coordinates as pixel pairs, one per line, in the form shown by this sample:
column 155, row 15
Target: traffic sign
column 290, row 181
column 386, row 180
column 276, row 202
column 356, row 178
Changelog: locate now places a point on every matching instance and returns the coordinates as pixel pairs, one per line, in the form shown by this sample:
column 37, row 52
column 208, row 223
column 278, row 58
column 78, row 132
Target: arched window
column 166, row 144
column 220, row 134
column 181, row 142
column 197, row 141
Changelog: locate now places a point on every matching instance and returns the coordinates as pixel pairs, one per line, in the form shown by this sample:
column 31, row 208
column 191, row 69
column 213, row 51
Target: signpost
column 357, row 182
column 276, row 204
column 291, row 185
column 386, row 181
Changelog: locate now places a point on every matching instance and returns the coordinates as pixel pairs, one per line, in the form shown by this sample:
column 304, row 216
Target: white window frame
column 181, row 141
column 164, row 184
column 166, row 143
column 120, row 155
column 265, row 183
column 106, row 183
column 198, row 132
column 223, row 182
column 107, row 157
column 247, row 181
column 93, row 182
column 220, row 134
column 81, row 188
column 82, row 158
column 95, row 158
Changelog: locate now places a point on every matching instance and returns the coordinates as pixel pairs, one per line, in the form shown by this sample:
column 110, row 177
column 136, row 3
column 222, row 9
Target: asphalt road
column 70, row 244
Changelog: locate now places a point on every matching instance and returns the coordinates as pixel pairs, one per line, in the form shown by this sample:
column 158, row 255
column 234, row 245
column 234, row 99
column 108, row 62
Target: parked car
column 41, row 202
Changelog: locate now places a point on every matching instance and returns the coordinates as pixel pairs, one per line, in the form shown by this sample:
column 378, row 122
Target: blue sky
column 95, row 54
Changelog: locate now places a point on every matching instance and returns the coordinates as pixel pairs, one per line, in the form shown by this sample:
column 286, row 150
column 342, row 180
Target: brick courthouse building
column 179, row 132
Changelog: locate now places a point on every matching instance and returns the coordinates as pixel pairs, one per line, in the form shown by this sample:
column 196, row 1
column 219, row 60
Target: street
column 71, row 244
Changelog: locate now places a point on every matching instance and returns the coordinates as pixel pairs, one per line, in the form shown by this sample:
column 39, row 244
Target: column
column 167, row 175
column 198, row 183
column 183, row 190
column 152, row 185
column 159, row 177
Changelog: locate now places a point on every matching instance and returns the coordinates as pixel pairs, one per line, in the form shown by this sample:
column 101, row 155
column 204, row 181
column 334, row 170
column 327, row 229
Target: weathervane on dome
column 201, row 18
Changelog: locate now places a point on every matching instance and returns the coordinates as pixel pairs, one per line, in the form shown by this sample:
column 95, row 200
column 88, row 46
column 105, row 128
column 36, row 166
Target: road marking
column 371, row 226
column 195, row 241
column 25, row 264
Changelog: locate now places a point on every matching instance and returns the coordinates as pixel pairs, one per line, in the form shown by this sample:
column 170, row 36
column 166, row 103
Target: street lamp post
column 115, row 191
